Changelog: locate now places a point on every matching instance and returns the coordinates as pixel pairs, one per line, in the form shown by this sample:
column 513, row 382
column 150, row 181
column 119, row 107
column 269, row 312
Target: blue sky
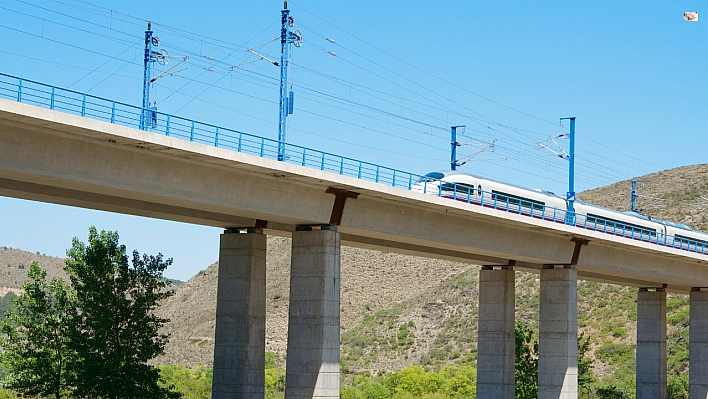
column 633, row 73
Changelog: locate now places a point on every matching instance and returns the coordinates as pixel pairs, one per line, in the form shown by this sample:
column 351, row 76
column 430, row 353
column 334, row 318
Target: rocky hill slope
column 370, row 281
column 15, row 263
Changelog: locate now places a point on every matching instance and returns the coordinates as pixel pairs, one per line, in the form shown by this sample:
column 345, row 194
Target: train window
column 479, row 190
column 460, row 188
column 601, row 223
column 516, row 200
column 693, row 241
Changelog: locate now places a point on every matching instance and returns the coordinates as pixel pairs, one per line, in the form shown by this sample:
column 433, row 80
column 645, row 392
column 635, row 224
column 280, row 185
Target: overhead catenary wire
column 202, row 73
column 322, row 116
column 505, row 137
column 201, row 41
column 62, row 43
column 415, row 66
column 397, row 74
column 477, row 121
column 69, row 65
column 297, row 129
column 101, row 66
column 514, row 154
column 92, row 23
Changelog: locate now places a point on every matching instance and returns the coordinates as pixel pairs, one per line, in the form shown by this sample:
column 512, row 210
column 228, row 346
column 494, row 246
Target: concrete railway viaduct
column 60, row 158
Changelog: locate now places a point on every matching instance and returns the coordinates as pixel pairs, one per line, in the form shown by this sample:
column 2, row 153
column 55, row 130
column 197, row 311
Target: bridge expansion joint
column 310, row 227
column 258, row 226
column 656, row 289
column 243, row 230
column 558, row 266
column 508, row 266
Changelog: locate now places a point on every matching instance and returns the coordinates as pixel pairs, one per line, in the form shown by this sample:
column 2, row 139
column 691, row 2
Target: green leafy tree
column 526, row 362
column 192, row 384
column 414, row 380
column 458, row 381
column 117, row 332
column 37, row 347
column 6, row 303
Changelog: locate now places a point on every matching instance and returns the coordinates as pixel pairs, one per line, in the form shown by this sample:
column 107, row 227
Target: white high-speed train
column 546, row 205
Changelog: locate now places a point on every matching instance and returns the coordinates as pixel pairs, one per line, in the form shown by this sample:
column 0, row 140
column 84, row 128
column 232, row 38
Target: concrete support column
column 558, row 333
column 651, row 344
column 495, row 343
column 312, row 369
column 239, row 344
column 698, row 345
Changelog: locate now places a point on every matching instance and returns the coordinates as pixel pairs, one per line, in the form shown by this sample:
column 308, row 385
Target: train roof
column 679, row 226
column 446, row 173
column 628, row 213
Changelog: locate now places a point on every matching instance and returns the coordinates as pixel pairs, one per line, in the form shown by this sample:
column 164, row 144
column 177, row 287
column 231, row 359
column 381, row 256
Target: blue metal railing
column 86, row 105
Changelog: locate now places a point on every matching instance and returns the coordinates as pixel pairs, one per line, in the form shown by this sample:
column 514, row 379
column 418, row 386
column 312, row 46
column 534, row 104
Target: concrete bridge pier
column 651, row 343
column 558, row 333
column 312, row 366
column 495, row 344
column 239, row 344
column 698, row 345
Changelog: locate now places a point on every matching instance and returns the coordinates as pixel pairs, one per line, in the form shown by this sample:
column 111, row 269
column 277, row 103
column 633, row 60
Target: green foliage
column 274, row 383
column 619, row 332
column 615, row 353
column 611, row 392
column 191, row 384
column 677, row 318
column 414, row 382
column 196, row 383
column 37, row 347
column 677, row 387
column 526, row 362
column 116, row 331
column 380, row 332
column 376, row 390
column 585, row 376
column 6, row 303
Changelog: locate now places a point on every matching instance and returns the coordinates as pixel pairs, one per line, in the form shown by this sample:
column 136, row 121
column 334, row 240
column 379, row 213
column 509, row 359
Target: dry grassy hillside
column 14, row 265
column 679, row 195
column 370, row 281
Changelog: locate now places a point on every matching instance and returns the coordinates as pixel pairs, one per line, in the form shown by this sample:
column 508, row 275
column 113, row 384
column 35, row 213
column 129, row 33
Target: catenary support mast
column 147, row 60
column 288, row 37
column 454, row 143
column 570, row 196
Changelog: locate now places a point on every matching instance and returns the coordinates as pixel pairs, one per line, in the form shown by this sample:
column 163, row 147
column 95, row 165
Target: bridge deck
column 65, row 159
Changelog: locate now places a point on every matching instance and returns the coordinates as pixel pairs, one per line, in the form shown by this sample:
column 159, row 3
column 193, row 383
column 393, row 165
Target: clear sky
column 633, row 73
